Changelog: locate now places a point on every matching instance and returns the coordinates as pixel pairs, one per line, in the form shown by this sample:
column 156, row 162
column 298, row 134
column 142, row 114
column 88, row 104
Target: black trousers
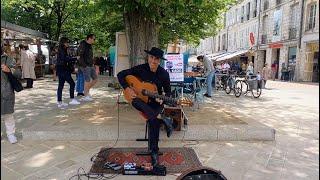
column 63, row 77
column 110, row 69
column 151, row 110
column 29, row 82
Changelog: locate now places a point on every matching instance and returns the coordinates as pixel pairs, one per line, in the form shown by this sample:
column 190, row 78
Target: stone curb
column 194, row 132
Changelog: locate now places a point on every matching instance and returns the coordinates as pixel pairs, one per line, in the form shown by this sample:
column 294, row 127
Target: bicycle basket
column 253, row 84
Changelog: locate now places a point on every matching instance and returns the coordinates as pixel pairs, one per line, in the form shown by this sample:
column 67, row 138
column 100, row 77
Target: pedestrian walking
column 28, row 62
column 291, row 70
column 86, row 65
column 284, row 71
column 274, row 68
column 64, row 70
column 265, row 74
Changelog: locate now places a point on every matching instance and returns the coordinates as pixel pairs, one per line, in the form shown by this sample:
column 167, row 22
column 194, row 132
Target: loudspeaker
column 202, row 173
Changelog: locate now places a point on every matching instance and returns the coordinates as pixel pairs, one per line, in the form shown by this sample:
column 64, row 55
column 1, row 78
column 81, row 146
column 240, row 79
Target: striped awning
column 232, row 55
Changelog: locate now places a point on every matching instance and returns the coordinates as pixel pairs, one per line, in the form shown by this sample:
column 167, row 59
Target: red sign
column 251, row 39
column 276, row 45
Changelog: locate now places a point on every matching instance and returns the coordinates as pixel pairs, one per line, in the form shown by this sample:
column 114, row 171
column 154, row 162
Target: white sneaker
column 74, row 102
column 12, row 138
column 87, row 98
column 62, row 104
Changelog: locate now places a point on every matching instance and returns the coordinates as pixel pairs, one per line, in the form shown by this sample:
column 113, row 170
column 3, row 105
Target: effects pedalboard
column 145, row 169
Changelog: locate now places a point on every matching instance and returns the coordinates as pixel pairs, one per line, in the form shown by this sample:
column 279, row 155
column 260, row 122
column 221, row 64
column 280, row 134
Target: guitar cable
column 118, row 132
column 102, row 176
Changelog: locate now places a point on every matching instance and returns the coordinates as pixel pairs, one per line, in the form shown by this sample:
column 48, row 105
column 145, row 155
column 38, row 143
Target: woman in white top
column 250, row 69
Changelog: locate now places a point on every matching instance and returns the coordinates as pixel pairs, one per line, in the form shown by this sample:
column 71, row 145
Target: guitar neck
column 165, row 98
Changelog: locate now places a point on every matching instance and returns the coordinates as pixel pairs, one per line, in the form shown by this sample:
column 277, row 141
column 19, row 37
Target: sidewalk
column 291, row 111
column 99, row 120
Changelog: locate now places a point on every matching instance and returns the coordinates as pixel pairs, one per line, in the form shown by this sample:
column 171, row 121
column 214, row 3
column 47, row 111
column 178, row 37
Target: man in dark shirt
column 86, row 65
column 153, row 73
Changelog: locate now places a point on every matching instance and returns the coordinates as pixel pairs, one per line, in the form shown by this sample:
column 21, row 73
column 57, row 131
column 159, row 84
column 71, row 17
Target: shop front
column 311, row 68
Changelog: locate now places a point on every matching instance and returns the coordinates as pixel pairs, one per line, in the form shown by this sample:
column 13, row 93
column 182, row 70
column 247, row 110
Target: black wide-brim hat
column 156, row 52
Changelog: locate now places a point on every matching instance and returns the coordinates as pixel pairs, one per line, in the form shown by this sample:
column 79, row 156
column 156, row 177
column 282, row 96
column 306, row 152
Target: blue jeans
column 80, row 82
column 209, row 83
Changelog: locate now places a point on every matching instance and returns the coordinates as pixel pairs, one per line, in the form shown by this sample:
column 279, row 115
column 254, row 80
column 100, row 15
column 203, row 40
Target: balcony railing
column 292, row 33
column 264, row 39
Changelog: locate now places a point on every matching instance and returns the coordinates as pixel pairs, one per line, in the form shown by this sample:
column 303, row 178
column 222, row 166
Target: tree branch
column 66, row 17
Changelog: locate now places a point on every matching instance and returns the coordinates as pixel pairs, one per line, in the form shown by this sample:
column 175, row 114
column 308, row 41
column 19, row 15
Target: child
column 259, row 80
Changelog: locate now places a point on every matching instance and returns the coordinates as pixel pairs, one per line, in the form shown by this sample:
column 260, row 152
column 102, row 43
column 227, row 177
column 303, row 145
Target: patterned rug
column 176, row 160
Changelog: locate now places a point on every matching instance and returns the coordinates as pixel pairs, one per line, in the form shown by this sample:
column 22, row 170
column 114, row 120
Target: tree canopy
column 189, row 20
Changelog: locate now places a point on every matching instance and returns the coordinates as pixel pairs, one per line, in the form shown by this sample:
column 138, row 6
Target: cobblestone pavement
column 292, row 109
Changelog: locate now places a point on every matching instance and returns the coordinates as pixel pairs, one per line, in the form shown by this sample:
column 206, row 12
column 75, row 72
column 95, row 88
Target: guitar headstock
column 185, row 102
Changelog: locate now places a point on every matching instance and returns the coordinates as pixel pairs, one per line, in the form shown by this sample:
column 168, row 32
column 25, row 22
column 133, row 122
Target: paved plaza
column 291, row 109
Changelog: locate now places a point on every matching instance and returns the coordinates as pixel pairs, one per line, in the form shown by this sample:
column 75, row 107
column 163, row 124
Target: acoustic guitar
column 146, row 90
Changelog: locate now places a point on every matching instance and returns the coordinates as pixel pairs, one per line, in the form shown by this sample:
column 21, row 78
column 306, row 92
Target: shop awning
column 13, row 32
column 221, row 55
column 232, row 55
column 211, row 56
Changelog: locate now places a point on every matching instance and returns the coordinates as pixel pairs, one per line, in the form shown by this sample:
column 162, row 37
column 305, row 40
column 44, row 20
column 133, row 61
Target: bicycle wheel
column 256, row 92
column 228, row 86
column 244, row 87
column 237, row 88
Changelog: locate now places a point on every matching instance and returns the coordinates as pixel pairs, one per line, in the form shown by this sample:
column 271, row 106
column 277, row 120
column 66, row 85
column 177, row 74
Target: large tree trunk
column 142, row 34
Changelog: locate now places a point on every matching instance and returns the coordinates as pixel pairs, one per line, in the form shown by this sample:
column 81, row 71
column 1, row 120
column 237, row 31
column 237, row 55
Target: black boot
column 154, row 158
column 29, row 83
column 169, row 125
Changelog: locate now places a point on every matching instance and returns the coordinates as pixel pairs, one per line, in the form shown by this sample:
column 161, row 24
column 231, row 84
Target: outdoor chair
column 193, row 88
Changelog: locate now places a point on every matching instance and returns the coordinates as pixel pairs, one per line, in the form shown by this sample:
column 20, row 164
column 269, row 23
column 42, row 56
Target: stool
column 146, row 138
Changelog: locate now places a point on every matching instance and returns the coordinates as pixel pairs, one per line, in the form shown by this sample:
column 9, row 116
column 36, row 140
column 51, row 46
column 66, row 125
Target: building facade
column 280, row 32
column 308, row 52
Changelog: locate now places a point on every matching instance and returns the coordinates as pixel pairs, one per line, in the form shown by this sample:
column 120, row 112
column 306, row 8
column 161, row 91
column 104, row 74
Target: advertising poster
column 277, row 16
column 174, row 66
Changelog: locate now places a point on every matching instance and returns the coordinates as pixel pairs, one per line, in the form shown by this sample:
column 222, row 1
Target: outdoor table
column 192, row 74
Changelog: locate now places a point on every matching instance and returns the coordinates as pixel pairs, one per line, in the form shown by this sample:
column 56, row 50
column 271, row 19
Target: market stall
column 13, row 35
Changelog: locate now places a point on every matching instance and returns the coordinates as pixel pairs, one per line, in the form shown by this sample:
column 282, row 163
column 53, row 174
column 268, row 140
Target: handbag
column 15, row 83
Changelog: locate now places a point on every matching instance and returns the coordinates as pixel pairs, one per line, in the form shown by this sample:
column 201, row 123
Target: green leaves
column 189, row 20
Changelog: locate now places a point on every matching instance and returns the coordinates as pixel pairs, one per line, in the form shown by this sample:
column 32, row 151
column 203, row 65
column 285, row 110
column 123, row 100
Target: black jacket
column 65, row 63
column 86, row 54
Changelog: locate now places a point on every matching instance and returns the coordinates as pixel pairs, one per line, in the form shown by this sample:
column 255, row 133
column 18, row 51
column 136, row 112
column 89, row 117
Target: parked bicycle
column 250, row 84
column 231, row 84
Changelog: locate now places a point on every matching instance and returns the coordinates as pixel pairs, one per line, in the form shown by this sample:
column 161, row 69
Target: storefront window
column 292, row 55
